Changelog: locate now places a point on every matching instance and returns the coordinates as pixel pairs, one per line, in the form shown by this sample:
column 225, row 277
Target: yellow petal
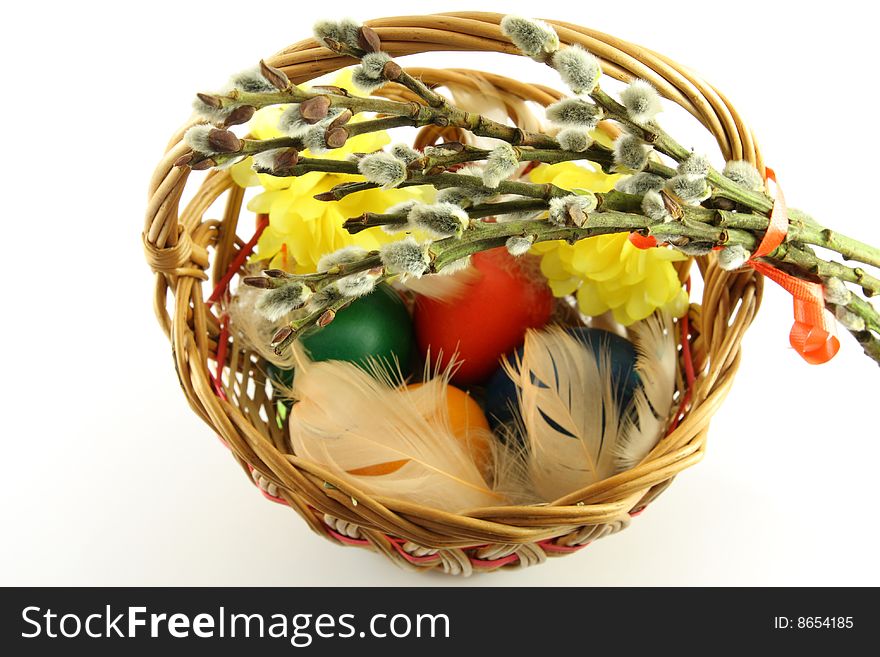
column 264, row 122
column 274, row 182
column 297, row 185
column 611, row 271
column 658, row 286
column 679, row 305
column 546, row 247
column 564, row 287
column 261, row 203
column 591, row 255
column 589, row 301
column 571, row 175
column 373, row 238
column 621, row 316
column 614, row 296
column 366, row 143
column 666, row 253
column 635, row 268
column 243, row 174
column 268, row 245
column 637, row 307
column 552, row 267
column 309, row 208
column 600, row 137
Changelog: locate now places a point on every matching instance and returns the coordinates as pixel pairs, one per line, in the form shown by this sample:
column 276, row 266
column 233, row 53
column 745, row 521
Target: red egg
column 490, row 319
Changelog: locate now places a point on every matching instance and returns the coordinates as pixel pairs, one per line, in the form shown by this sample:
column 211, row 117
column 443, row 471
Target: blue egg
column 501, row 391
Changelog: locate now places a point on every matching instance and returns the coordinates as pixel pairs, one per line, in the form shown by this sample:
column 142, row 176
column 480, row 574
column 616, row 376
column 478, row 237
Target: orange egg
column 468, row 424
column 380, row 468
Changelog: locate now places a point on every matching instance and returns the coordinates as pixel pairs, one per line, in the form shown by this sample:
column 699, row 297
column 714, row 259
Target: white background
column 109, row 478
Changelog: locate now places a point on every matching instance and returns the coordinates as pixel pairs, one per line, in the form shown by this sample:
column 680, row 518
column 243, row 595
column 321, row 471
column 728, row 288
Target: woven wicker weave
column 185, row 249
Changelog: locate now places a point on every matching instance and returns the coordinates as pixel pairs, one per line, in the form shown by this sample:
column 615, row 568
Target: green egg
column 279, row 376
column 281, row 379
column 376, row 326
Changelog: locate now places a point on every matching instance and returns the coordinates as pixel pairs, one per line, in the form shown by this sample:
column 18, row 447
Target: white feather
column 572, row 425
column 346, row 420
column 564, row 394
column 443, row 286
column 654, row 339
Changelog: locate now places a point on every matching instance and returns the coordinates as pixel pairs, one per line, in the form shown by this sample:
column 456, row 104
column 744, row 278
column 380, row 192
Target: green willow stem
column 867, row 312
column 800, row 230
column 444, row 114
column 810, row 263
column 372, row 219
column 870, row 344
column 377, row 125
column 308, row 324
column 848, row 247
column 490, row 236
column 869, row 339
column 664, row 143
column 438, row 181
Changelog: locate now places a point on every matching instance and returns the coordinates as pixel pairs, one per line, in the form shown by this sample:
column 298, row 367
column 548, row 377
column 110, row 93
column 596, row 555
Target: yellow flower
column 569, row 175
column 302, row 229
column 607, row 272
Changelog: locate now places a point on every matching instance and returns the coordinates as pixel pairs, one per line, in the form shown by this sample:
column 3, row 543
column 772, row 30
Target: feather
column 388, row 441
column 253, row 327
column 482, row 97
column 443, row 286
column 654, row 339
column 573, row 428
column 568, row 412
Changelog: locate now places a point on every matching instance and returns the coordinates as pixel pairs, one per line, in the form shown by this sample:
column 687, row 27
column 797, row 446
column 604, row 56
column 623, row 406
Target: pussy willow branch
column 703, row 224
column 790, row 252
column 615, row 212
column 869, row 339
column 314, row 320
column 445, row 114
column 664, row 143
column 596, row 153
column 812, row 233
column 869, row 342
column 254, row 146
column 697, row 224
column 440, row 111
column 867, row 312
column 438, row 180
column 479, row 211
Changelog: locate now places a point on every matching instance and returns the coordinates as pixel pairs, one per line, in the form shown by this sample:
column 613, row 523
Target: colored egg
column 281, row 380
column 376, row 326
column 468, row 424
column 280, row 377
column 501, row 397
column 489, row 320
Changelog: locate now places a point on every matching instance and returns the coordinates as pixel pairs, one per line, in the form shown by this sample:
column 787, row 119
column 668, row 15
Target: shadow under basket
column 194, row 257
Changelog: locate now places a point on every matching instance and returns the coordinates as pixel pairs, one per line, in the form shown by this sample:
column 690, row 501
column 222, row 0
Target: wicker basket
column 225, row 382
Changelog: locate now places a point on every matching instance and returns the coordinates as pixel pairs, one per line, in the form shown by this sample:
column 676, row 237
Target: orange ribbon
column 642, row 241
column 813, row 334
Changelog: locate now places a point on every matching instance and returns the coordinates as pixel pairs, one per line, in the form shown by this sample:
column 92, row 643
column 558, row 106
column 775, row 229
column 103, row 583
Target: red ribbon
column 813, row 334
